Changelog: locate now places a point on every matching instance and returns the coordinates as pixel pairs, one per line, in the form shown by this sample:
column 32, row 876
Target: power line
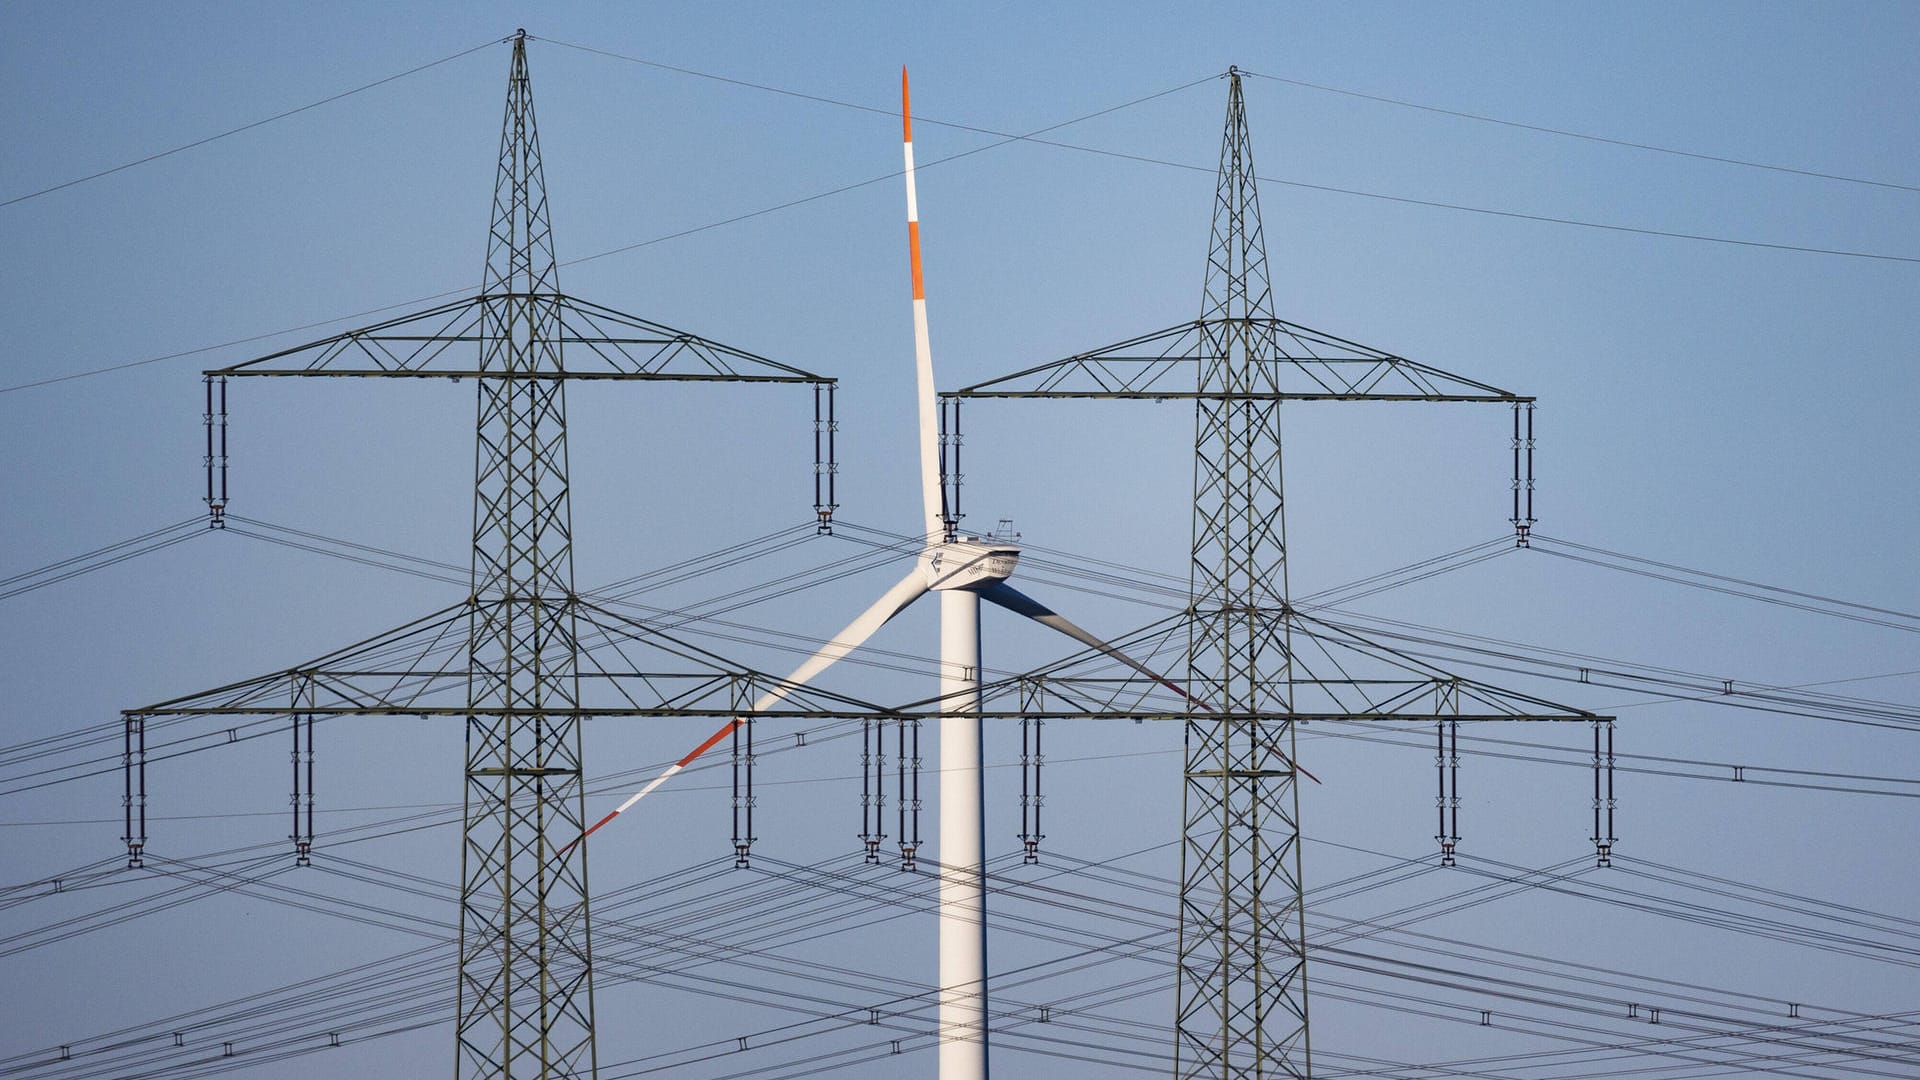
column 249, row 126
column 776, row 908
column 100, row 558
column 1586, row 136
column 1819, row 604
column 1004, row 138
column 1730, row 772
column 622, row 249
column 1358, row 193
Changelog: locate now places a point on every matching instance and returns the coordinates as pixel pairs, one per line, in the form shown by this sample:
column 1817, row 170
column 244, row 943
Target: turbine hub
column 968, row 562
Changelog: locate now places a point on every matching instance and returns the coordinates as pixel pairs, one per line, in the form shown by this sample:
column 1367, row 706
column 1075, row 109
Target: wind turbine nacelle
column 968, row 562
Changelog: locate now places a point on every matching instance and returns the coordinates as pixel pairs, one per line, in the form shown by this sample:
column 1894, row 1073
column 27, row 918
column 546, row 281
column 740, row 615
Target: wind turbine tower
column 964, row 570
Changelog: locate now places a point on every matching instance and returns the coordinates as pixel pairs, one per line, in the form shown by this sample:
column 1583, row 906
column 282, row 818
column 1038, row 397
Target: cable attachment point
column 215, row 421
column 826, row 469
column 1523, row 442
column 1032, row 757
column 1604, row 802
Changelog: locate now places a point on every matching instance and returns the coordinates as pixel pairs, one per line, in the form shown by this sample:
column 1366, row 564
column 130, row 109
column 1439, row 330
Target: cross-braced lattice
column 525, row 659
column 1255, row 665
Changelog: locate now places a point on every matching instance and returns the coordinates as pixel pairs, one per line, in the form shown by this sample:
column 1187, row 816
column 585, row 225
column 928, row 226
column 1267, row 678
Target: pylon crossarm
column 1069, row 696
column 626, row 668
column 1048, row 711
column 439, row 326
column 1336, row 636
column 617, row 629
column 1301, row 364
column 649, row 679
column 716, row 711
column 616, row 346
column 406, row 652
column 597, row 326
column 1337, row 672
column 1130, row 696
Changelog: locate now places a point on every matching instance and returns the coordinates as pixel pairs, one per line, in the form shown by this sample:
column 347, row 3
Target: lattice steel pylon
column 525, row 657
column 526, row 987
column 1242, row 995
column 1256, row 666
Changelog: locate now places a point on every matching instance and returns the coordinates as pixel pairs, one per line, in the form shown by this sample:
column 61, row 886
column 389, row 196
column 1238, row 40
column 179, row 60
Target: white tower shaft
column 964, row 571
column 962, row 855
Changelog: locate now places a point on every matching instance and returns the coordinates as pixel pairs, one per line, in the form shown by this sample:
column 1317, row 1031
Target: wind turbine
column 964, row 570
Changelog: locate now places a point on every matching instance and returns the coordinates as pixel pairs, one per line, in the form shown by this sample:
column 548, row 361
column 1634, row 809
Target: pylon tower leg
column 526, row 990
column 1241, row 1008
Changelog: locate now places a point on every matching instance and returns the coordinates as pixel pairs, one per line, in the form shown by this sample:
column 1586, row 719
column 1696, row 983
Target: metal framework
column 1256, row 666
column 521, row 658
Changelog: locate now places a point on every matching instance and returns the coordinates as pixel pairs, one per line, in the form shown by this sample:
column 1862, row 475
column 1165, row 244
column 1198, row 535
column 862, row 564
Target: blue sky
column 1740, row 409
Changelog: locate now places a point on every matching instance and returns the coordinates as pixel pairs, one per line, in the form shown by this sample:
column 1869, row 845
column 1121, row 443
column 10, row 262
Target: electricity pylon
column 1241, row 997
column 525, row 658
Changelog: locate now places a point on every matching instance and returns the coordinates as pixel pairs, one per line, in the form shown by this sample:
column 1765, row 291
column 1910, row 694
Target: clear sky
column 1743, row 408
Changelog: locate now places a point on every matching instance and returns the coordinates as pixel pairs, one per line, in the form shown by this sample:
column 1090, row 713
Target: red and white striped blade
column 1020, row 603
column 893, row 602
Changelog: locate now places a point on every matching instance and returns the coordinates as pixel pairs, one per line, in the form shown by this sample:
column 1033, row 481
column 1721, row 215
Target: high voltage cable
column 89, row 876
column 149, row 535
column 889, row 112
column 1756, row 698
column 1213, row 169
column 1459, row 1013
column 1582, row 135
column 1004, row 138
column 1734, row 773
column 1742, row 923
column 1166, row 887
column 1575, row 661
column 1485, row 987
column 250, row 126
column 1734, row 1034
column 100, row 558
column 622, row 249
column 1910, row 621
column 110, row 731
column 104, row 733
column 1772, row 892
column 397, row 556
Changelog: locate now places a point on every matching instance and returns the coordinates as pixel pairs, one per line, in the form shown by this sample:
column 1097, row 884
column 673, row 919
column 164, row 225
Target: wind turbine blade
column 931, row 495
column 1020, row 603
column 893, row 602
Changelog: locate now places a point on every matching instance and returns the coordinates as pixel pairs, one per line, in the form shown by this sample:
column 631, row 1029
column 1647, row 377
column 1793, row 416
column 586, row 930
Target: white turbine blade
column 930, row 493
column 1021, row 604
column 892, row 603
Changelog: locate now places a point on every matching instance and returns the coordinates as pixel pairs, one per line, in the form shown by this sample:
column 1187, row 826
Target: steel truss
column 524, row 659
column 1256, row 666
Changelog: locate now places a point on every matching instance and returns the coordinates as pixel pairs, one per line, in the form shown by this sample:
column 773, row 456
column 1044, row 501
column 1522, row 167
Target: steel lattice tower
column 523, row 659
column 526, row 988
column 1255, row 665
column 1242, row 996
